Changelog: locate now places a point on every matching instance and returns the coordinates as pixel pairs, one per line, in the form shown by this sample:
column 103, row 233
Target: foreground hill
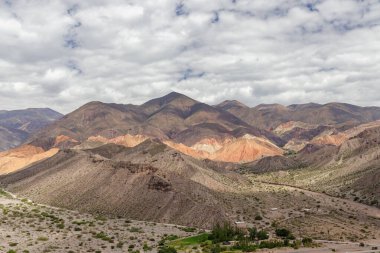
column 148, row 182
column 16, row 126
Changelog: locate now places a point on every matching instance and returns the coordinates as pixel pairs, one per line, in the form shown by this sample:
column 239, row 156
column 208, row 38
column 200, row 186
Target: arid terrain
column 314, row 169
column 29, row 227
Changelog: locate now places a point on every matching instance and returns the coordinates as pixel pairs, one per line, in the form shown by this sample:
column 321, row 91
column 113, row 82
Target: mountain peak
column 173, row 98
column 228, row 104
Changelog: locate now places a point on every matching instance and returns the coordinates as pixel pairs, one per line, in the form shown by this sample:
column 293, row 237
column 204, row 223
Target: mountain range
column 16, row 126
column 174, row 159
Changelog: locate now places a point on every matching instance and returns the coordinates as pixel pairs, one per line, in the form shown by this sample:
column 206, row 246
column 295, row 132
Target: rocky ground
column 28, row 227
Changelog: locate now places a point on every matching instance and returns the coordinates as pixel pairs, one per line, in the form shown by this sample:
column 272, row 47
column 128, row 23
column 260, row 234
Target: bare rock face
column 23, row 156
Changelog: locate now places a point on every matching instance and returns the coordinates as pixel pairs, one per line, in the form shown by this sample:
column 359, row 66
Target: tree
column 225, row 232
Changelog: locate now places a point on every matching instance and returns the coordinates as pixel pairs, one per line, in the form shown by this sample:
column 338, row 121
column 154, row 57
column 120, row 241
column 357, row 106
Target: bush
column 252, row 233
column 271, row 244
column 245, row 246
column 167, row 250
column 307, row 241
column 296, row 244
column 262, row 235
column 258, row 217
column 282, row 232
column 188, row 229
column 146, row 247
column 215, row 248
column 103, row 236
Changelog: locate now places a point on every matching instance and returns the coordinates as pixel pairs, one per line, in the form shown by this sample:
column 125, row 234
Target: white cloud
column 61, row 54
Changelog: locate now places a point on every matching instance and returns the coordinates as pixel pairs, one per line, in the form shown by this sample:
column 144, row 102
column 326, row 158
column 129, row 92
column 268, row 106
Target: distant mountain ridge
column 269, row 116
column 174, row 117
column 16, row 126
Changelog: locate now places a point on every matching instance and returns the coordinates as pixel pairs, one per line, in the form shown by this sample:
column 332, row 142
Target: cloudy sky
column 62, row 54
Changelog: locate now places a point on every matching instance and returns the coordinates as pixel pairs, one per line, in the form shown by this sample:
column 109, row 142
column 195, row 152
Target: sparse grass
column 4, row 193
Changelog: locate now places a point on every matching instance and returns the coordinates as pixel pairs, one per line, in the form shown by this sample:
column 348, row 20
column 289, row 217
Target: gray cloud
column 62, row 54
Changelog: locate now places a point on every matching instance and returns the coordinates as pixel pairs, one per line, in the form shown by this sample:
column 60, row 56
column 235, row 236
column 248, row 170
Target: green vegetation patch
column 188, row 241
column 4, row 193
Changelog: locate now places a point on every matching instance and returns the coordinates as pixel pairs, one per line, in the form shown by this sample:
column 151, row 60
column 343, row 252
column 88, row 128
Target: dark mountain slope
column 16, row 126
column 165, row 118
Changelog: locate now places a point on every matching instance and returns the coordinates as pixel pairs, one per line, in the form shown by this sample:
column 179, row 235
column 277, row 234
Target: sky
column 63, row 54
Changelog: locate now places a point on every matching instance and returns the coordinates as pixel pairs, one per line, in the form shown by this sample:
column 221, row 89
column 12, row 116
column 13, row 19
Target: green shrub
column 188, row 229
column 244, row 245
column 282, row 232
column 252, row 233
column 215, row 248
column 262, row 235
column 307, row 241
column 103, row 236
column 146, row 247
column 135, row 230
column 167, row 250
column 271, row 244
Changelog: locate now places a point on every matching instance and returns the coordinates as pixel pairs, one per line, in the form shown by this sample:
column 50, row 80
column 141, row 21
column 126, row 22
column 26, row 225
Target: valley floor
column 29, row 227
